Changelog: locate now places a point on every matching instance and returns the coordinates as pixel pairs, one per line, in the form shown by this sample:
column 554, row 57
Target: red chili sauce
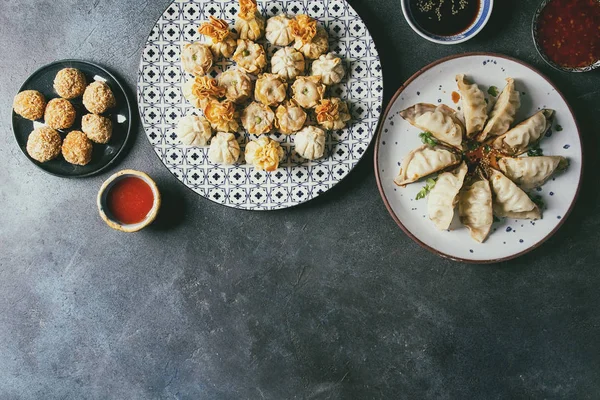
column 130, row 200
column 569, row 32
column 455, row 97
column 482, row 155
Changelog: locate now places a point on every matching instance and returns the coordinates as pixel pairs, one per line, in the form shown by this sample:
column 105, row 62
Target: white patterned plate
column 435, row 84
column 161, row 104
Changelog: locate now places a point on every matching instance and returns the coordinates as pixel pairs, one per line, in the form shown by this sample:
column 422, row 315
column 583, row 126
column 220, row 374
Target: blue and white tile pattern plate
column 161, row 104
column 509, row 237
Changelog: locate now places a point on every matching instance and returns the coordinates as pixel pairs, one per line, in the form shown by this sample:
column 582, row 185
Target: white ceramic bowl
column 485, row 11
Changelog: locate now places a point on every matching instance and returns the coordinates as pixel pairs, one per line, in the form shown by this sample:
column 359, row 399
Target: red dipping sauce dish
column 129, row 201
column 566, row 33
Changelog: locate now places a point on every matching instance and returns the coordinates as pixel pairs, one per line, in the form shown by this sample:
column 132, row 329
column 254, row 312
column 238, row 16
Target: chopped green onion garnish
column 429, row 184
column 427, row 138
column 535, row 152
column 493, row 91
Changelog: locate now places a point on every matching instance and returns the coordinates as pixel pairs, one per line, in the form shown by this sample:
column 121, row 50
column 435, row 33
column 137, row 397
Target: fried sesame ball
column 43, row 144
column 69, row 83
column 60, row 114
column 77, row 148
column 30, row 104
column 97, row 128
column 98, row 97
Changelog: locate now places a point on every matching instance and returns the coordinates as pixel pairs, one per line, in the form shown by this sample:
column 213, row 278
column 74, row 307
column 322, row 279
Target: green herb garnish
column 258, row 120
column 305, row 91
column 472, row 145
column 194, row 57
column 558, row 128
column 427, row 138
column 493, row 91
column 487, row 148
column 429, row 184
column 535, row 152
column 245, row 53
column 537, row 199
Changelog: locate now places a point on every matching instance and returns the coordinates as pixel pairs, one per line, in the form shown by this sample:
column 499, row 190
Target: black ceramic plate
column 103, row 155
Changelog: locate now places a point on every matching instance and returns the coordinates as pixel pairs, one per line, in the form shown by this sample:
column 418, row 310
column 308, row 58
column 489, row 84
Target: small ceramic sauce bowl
column 104, row 209
column 536, row 40
column 482, row 17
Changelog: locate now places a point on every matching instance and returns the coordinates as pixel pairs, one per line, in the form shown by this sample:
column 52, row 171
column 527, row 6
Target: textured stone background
column 329, row 300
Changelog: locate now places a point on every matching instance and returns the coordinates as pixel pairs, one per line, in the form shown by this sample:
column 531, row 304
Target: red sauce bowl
column 128, row 201
column 565, row 34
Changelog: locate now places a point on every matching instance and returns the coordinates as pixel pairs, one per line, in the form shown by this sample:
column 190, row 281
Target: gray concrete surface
column 329, row 300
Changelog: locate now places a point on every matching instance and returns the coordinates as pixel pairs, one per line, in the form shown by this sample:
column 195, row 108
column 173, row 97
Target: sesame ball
column 98, row 97
column 43, row 144
column 69, row 83
column 30, row 104
column 97, row 128
column 60, row 114
column 77, row 148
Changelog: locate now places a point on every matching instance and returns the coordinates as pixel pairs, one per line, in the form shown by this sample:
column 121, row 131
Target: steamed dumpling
column 201, row 90
column 223, row 40
column 264, row 153
column 193, row 130
column 308, row 91
column 250, row 56
column 329, row 68
column 237, row 84
column 503, row 114
column 290, row 117
column 222, row 116
column 196, row 58
column 509, row 200
column 332, row 114
column 250, row 24
column 525, row 135
column 224, row 149
column 270, row 89
column 279, row 32
column 258, row 118
column 319, row 45
column 443, row 197
column 440, row 121
column 309, row 142
column 310, row 39
column 287, row 63
column 189, row 95
column 473, row 104
column 424, row 161
column 531, row 172
column 475, row 209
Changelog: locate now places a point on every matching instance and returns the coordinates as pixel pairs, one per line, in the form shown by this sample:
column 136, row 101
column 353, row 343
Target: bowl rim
column 426, row 35
column 543, row 55
column 150, row 217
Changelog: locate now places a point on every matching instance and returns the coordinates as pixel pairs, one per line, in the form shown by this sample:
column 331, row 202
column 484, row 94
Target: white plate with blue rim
column 436, row 84
column 161, row 104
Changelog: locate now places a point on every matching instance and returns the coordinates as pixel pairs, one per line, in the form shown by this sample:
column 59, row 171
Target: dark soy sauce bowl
column 483, row 16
